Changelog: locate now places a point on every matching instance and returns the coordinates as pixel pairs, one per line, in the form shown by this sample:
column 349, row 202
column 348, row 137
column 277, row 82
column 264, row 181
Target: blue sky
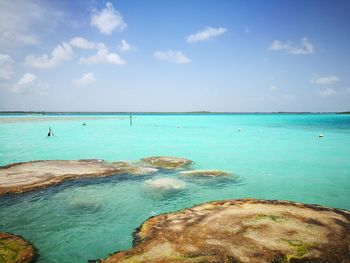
column 125, row 55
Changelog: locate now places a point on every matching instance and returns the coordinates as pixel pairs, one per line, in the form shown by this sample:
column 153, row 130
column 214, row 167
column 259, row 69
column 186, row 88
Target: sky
column 185, row 55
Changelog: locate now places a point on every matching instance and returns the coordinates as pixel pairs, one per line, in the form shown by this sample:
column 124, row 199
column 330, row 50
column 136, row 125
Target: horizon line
column 176, row 112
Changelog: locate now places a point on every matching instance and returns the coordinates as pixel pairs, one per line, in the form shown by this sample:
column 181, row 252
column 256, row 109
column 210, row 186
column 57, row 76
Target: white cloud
column 172, row 56
column 125, row 46
column 273, row 88
column 86, row 79
column 6, row 66
column 16, row 19
column 103, row 56
column 304, row 47
column 80, row 42
column 328, row 92
column 29, row 84
column 16, row 38
column 108, row 20
column 327, row 80
column 25, row 22
column 60, row 53
column 206, row 34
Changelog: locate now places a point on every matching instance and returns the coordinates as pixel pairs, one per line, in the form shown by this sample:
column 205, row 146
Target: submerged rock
column 166, row 184
column 27, row 176
column 125, row 167
column 167, row 162
column 205, row 173
column 247, row 230
column 80, row 207
column 14, row 249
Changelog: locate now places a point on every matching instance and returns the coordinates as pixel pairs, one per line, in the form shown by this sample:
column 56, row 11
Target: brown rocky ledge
column 14, row 249
column 167, row 162
column 27, row 176
column 246, row 230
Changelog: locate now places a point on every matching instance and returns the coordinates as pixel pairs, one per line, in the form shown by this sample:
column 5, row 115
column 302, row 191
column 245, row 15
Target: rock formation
column 27, row 176
column 247, row 230
column 14, row 249
column 167, row 162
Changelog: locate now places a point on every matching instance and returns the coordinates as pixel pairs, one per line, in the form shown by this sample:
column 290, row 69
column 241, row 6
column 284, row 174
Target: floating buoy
column 239, row 129
column 321, row 135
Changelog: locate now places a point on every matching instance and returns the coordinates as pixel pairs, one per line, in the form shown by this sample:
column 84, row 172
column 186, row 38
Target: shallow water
column 273, row 157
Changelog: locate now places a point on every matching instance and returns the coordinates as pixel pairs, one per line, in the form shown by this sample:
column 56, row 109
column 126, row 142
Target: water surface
column 275, row 157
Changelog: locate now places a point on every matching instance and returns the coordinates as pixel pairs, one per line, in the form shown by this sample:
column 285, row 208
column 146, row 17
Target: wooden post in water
column 130, row 120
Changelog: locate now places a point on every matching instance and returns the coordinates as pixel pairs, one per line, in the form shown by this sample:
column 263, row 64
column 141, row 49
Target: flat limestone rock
column 14, row 249
column 205, row 173
column 167, row 162
column 246, row 230
column 27, row 176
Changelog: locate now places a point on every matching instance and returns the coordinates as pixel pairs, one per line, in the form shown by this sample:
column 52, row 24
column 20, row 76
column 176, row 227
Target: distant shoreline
column 43, row 113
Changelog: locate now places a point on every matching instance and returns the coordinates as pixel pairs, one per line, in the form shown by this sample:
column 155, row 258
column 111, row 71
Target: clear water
column 275, row 157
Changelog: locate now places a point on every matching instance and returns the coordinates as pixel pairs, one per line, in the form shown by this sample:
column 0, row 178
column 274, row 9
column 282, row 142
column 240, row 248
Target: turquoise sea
column 275, row 156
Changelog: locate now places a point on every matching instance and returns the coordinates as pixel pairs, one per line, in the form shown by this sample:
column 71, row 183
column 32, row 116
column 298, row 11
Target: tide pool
column 274, row 156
